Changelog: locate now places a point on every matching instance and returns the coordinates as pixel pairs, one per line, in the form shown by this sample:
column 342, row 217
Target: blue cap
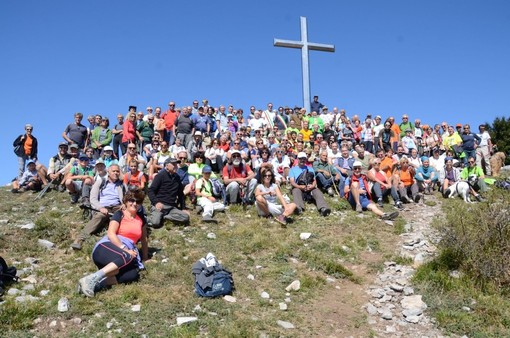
column 83, row 157
column 206, row 169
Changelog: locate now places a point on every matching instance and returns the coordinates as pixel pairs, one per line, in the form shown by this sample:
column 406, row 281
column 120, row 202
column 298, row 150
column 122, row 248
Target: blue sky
column 436, row 60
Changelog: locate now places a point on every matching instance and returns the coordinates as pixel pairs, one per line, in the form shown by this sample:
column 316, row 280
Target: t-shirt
column 268, row 197
column 129, row 228
column 77, row 133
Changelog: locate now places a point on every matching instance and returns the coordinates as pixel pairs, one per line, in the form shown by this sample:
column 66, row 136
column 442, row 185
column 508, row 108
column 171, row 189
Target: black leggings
column 107, row 253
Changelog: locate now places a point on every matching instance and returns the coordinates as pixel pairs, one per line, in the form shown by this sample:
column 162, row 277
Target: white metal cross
column 305, row 46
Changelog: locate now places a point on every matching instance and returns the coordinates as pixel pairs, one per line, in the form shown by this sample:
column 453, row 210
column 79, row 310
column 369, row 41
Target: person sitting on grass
column 135, row 177
column 205, row 198
column 358, row 194
column 404, row 181
column 479, row 184
column 381, row 184
column 426, row 176
column 80, row 179
column 326, row 174
column 267, row 194
column 448, row 175
column 239, row 180
column 116, row 255
column 30, row 179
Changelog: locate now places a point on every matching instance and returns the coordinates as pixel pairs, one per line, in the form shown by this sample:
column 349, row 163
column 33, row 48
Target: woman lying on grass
column 116, row 254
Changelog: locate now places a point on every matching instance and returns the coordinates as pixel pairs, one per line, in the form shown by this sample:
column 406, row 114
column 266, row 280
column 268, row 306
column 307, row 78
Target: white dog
column 461, row 188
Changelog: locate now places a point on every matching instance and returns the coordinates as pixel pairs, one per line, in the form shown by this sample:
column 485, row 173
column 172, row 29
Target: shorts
column 363, row 200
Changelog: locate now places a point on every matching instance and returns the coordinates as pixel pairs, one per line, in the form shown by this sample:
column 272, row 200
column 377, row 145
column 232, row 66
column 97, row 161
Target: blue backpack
column 222, row 282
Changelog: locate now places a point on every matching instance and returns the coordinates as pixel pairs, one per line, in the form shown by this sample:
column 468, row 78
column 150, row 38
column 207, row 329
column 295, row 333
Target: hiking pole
column 42, row 192
column 86, row 207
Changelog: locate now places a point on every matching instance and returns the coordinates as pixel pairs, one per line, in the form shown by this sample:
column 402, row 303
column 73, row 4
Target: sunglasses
column 28, row 129
column 356, row 168
column 471, row 162
column 268, row 175
column 237, row 143
column 182, row 158
column 236, row 156
column 131, row 148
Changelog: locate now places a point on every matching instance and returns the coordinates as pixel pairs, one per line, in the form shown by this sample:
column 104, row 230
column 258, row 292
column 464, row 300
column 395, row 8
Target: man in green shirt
column 478, row 184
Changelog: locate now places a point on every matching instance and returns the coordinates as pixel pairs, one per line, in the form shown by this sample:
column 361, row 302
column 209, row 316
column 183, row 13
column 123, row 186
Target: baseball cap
column 198, row 133
column 408, row 130
column 74, row 145
column 206, row 169
column 83, row 157
column 458, row 125
column 301, row 155
column 30, row 162
column 235, row 152
column 171, row 160
column 99, row 161
column 107, row 148
column 229, row 115
column 357, row 164
column 63, row 144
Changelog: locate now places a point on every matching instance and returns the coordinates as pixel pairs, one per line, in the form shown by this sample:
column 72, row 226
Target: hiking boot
column 15, row 191
column 417, row 198
column 380, row 203
column 298, row 211
column 359, row 208
column 87, row 284
column 61, row 188
column 389, row 216
column 325, row 212
column 209, row 219
column 479, row 198
column 331, row 192
column 281, row 219
column 399, row 205
column 74, row 198
column 405, row 199
column 76, row 245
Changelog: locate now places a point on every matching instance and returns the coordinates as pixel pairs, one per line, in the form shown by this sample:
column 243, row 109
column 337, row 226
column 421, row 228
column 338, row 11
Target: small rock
column 305, row 235
column 387, row 315
column 31, row 260
column 53, row 323
column 283, row 306
column 413, row 319
column 37, row 321
column 28, row 226
column 29, row 287
column 418, row 260
column 408, row 227
column 388, row 264
column 285, row 325
column 264, row 295
column 211, row 235
column 287, row 300
column 63, row 305
column 408, row 291
column 467, row 309
column 396, row 287
column 412, row 302
column 330, row 280
column 13, row 291
column 109, row 325
column 76, row 321
column 391, row 329
column 389, row 222
column 371, row 309
column 184, row 320
column 197, row 308
column 23, row 299
column 258, row 267
column 412, row 312
column 136, row 308
column 455, row 274
column 4, row 221
column 295, row 286
column 45, row 244
column 372, row 321
column 164, row 260
column 251, row 277
column 346, row 249
column 230, row 299
column 30, row 279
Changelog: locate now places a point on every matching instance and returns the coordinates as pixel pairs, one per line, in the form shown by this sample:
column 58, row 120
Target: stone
column 28, row 226
column 251, row 277
column 467, row 309
column 211, row 235
column 45, row 244
column 418, row 260
column 136, row 308
column 346, row 249
column 184, row 320
column 305, row 235
column 53, row 323
column 388, row 222
column 63, row 305
column 455, row 274
column 4, row 221
column 413, row 319
column 283, row 306
column 230, row 299
column 30, row 279
column 391, row 263
column 264, row 295
column 37, row 321
column 413, row 302
column 197, row 308
column 294, row 286
column 330, row 280
column 29, row 287
column 109, row 325
column 24, row 299
column 285, row 325
column 391, row 329
column 412, row 312
column 387, row 315
column 371, row 309
column 397, row 287
column 76, row 321
column 165, row 260
column 408, row 291
column 287, row 300
column 13, row 291
column 31, row 260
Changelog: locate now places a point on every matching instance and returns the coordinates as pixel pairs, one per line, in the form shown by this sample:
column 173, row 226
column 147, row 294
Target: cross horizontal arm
column 321, row 47
column 287, row 43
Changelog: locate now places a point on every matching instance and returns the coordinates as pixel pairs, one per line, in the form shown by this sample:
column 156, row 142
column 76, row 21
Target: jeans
column 323, row 182
column 380, row 193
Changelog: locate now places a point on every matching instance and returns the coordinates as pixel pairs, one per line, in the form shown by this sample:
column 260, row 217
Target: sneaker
column 331, row 192
column 399, row 205
column 74, row 198
column 87, row 284
column 405, row 199
column 417, row 198
column 281, row 219
column 209, row 219
column 379, row 202
column 61, row 188
column 325, row 212
column 76, row 245
column 389, row 216
column 298, row 211
column 479, row 198
column 14, row 191
column 359, row 208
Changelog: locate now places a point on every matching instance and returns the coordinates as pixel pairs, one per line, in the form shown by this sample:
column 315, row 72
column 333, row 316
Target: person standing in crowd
column 128, row 131
column 484, row 150
column 101, row 137
column 25, row 146
column 76, row 133
column 117, row 132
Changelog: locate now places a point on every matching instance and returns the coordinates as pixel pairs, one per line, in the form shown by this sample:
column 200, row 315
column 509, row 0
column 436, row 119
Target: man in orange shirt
column 170, row 116
column 395, row 141
column 239, row 179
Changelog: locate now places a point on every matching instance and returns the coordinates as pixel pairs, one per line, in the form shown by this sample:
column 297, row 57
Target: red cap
column 458, row 125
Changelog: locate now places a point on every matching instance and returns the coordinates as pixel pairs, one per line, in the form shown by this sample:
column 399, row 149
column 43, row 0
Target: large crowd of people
column 279, row 160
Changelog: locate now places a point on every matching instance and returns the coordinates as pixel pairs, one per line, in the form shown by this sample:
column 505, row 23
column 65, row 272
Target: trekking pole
column 42, row 192
column 86, row 207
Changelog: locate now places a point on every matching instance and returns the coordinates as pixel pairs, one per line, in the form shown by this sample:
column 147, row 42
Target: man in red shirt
column 170, row 116
column 239, row 180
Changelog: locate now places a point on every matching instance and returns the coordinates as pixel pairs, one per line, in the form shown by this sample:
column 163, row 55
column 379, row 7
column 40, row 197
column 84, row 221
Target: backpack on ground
column 211, row 279
column 7, row 275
